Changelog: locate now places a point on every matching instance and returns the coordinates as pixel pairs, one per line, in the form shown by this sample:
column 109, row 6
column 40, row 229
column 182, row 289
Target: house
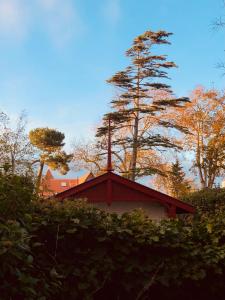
column 114, row 193
column 51, row 186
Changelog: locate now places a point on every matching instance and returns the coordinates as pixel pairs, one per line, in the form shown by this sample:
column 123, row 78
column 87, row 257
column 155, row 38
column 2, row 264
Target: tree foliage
column 46, row 139
column 16, row 151
column 92, row 156
column 88, row 155
column 16, row 195
column 136, row 108
column 204, row 117
column 173, row 180
column 50, row 142
column 179, row 186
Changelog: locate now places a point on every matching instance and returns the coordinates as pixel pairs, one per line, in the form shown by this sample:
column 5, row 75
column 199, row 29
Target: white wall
column 154, row 210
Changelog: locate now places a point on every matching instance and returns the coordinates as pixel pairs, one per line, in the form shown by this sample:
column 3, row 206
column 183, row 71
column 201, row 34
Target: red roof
column 112, row 187
column 51, row 186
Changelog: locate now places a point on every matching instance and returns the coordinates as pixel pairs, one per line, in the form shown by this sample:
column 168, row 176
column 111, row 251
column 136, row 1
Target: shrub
column 16, row 194
column 207, row 201
column 71, row 250
column 18, row 278
column 95, row 255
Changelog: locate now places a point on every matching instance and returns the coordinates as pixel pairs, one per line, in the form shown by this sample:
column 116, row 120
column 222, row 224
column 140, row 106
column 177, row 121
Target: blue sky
column 55, row 55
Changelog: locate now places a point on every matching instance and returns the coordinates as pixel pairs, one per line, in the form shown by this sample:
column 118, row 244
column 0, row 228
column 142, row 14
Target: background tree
column 49, row 142
column 92, row 156
column 88, row 156
column 135, row 108
column 16, row 151
column 173, row 180
column 178, row 185
column 204, row 117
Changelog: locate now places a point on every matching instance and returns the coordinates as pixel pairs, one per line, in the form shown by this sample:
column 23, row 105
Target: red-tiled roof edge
column 66, row 179
column 82, row 186
column 137, row 186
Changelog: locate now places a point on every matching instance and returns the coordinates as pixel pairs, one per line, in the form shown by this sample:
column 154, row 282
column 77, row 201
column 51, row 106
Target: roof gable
column 112, row 187
column 86, row 177
column 48, row 175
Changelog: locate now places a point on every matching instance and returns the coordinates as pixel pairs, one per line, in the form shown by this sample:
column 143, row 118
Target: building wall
column 154, row 210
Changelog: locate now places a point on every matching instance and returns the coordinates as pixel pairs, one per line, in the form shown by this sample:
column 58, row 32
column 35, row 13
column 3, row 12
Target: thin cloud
column 13, row 19
column 59, row 19
column 112, row 11
column 48, row 4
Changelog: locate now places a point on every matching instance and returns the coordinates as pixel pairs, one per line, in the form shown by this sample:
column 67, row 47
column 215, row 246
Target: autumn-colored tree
column 88, row 156
column 49, row 142
column 204, row 117
column 135, row 108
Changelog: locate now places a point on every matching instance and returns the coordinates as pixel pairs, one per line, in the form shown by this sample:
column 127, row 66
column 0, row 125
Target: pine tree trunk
column 134, row 150
column 135, row 136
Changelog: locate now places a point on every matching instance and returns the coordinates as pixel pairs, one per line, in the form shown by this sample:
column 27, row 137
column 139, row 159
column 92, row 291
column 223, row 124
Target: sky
column 55, row 56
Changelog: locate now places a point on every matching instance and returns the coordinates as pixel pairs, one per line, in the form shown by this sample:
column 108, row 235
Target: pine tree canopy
column 50, row 142
column 136, row 108
column 47, row 139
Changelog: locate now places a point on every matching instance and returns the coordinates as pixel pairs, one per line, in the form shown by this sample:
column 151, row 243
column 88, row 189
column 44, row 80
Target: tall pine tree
column 135, row 108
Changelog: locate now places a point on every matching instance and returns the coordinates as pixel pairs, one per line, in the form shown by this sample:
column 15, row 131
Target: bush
column 71, row 250
column 16, row 194
column 207, row 201
column 18, row 277
column 93, row 255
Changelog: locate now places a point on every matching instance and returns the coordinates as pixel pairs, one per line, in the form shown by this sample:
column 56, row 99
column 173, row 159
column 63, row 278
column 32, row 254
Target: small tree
column 49, row 142
column 178, row 185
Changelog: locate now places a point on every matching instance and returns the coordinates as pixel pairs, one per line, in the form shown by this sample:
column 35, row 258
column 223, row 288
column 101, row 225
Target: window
column 63, row 184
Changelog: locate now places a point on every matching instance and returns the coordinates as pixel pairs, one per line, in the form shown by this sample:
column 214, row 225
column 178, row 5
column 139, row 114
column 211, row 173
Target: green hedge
column 207, row 201
column 74, row 251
